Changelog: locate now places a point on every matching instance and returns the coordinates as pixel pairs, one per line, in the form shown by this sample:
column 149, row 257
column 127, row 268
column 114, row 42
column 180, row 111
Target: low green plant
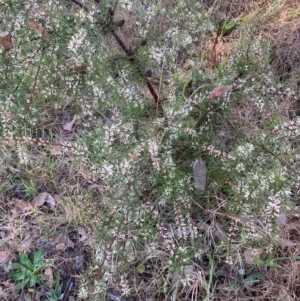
column 27, row 271
column 271, row 262
column 247, row 278
column 55, row 293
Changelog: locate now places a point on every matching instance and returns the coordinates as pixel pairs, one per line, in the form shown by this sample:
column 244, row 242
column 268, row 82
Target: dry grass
column 285, row 54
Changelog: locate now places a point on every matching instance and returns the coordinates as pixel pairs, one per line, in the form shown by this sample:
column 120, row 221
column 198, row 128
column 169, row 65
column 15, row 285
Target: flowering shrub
column 133, row 139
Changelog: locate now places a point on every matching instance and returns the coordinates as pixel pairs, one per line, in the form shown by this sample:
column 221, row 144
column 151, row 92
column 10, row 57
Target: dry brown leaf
column 36, row 231
column 69, row 126
column 26, row 243
column 81, row 68
column 8, row 284
column 39, row 200
column 22, row 205
column 146, row 93
column 39, row 29
column 49, row 274
column 60, row 247
column 56, row 150
column 7, row 233
column 50, row 201
column 82, row 233
column 293, row 226
column 219, row 92
column 6, row 42
column 42, row 198
column 9, row 236
column 281, row 220
column 199, row 170
column 64, row 239
column 293, row 216
column 5, row 257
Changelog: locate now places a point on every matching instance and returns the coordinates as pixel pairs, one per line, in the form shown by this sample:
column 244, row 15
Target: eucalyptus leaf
column 199, row 171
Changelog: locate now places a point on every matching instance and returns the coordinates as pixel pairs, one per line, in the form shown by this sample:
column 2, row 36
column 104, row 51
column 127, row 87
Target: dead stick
column 129, row 53
column 81, row 5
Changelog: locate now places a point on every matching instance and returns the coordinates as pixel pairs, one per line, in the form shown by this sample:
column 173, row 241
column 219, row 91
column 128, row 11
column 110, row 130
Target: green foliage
column 28, row 272
column 225, row 28
column 55, row 293
column 248, row 278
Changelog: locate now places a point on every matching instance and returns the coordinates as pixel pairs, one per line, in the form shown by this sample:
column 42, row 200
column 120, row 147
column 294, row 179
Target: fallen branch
column 129, row 52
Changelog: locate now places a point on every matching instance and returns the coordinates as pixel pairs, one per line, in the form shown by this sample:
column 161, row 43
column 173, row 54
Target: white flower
column 157, row 54
column 153, row 149
column 126, row 4
column 77, row 40
column 273, row 206
column 107, row 169
column 22, row 154
column 124, row 286
column 83, row 292
column 99, row 286
column 240, row 167
column 245, row 150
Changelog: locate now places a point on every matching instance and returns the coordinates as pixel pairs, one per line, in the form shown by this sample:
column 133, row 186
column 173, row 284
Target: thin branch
column 106, row 253
column 81, row 5
column 129, row 52
column 122, row 44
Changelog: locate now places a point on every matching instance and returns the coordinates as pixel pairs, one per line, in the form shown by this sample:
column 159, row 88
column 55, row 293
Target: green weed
column 28, row 271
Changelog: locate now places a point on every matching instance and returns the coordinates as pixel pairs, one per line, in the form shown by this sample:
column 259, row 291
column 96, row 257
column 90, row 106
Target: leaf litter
column 43, row 198
column 6, row 257
column 199, row 171
column 21, row 231
column 69, row 126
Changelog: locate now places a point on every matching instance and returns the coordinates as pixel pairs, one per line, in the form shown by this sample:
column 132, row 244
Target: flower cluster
column 76, row 40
